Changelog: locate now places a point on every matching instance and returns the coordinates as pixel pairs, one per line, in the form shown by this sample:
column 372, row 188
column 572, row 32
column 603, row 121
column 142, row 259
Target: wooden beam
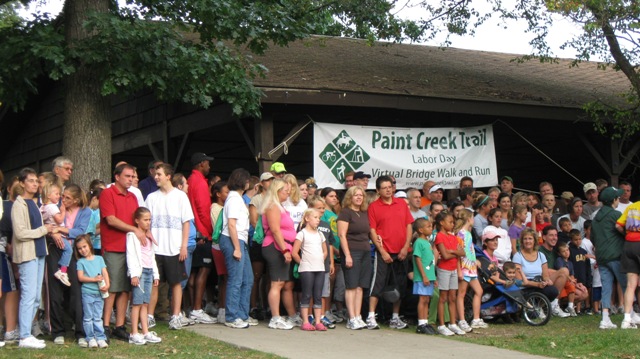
column 244, row 133
column 596, row 155
column 418, row 103
column 183, row 144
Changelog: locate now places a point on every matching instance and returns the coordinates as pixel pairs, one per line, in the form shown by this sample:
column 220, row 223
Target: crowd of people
column 279, row 249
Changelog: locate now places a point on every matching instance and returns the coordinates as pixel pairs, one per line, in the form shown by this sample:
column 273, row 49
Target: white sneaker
column 62, row 277
column 1, row 344
column 12, row 336
column 295, row 320
column 353, row 324
column 59, row 340
column 635, row 318
column 186, row 321
column 627, row 324
column 456, row 330
column 479, row 324
column 607, row 324
column 151, row 322
column 556, row 311
column 31, row 343
column 93, row 343
column 252, row 321
column 445, row 331
column 201, row 317
column 175, row 323
column 152, row 337
column 397, row 324
column 237, row 324
column 279, row 323
column 372, row 324
column 137, row 339
column 82, row 343
column 572, row 311
column 102, row 344
column 465, row 326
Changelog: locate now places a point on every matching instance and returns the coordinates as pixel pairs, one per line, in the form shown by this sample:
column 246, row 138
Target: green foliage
column 28, row 51
column 195, row 51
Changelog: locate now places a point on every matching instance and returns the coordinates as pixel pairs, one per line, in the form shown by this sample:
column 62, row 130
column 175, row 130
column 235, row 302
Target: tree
column 194, row 51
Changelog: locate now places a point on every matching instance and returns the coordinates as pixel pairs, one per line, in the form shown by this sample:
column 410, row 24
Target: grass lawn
column 175, row 344
column 577, row 337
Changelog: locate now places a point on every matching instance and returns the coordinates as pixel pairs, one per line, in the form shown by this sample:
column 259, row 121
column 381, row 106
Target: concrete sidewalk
column 344, row 343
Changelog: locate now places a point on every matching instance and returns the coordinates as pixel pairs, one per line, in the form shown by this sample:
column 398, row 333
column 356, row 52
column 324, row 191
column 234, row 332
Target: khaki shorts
column 117, row 268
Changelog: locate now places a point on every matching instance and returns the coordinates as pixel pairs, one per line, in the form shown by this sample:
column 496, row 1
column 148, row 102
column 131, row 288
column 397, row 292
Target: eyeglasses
column 394, row 182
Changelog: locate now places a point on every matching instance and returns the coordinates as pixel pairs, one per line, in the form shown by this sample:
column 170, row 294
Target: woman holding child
column 76, row 220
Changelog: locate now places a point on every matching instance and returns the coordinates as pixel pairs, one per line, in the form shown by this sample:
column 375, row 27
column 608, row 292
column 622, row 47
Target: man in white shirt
column 625, row 198
column 170, row 216
column 414, row 197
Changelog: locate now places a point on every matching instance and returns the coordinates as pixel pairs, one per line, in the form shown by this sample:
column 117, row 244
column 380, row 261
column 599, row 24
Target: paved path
column 344, row 343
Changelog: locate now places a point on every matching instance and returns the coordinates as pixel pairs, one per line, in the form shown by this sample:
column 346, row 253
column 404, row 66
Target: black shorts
column 630, row 259
column 171, row 269
column 255, row 252
column 382, row 271
column 279, row 271
column 359, row 275
column 202, row 256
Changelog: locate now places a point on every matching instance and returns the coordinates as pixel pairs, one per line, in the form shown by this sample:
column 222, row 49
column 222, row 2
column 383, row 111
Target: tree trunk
column 87, row 120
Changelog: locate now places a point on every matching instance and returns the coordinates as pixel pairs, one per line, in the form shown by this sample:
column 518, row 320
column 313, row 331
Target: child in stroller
column 503, row 295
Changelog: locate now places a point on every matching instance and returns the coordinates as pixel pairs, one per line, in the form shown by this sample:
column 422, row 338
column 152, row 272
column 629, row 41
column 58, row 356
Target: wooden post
column 264, row 142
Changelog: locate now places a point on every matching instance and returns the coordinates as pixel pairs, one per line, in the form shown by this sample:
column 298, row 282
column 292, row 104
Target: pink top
column 147, row 254
column 70, row 218
column 286, row 228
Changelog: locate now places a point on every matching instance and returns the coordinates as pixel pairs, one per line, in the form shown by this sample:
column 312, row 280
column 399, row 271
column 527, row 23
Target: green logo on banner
column 343, row 155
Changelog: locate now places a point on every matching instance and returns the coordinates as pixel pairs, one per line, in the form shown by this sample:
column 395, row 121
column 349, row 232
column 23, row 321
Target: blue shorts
column 596, row 294
column 142, row 293
column 469, row 278
column 420, row 289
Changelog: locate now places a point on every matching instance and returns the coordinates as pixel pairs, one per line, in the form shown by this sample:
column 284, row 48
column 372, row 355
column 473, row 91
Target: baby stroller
column 498, row 301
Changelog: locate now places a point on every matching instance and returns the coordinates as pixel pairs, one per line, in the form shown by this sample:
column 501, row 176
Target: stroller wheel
column 537, row 310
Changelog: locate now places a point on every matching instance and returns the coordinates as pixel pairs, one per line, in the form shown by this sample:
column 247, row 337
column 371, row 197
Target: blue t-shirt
column 530, row 269
column 35, row 219
column 91, row 268
column 94, row 220
column 192, row 234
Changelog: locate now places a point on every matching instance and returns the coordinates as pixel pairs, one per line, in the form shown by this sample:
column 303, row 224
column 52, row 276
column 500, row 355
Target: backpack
column 258, row 234
column 217, row 229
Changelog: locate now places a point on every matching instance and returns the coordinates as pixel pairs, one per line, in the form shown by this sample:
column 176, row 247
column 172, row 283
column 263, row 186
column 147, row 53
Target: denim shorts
column 420, row 289
column 142, row 293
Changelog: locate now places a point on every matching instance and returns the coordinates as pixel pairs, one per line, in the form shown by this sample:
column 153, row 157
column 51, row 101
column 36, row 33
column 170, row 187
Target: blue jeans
column 92, row 306
column 239, row 280
column 142, row 293
column 65, row 258
column 609, row 272
column 187, row 265
column 31, row 276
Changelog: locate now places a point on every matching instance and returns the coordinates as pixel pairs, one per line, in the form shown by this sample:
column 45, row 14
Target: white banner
column 412, row 155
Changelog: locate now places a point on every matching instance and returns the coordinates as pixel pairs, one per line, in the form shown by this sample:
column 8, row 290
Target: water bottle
column 101, row 284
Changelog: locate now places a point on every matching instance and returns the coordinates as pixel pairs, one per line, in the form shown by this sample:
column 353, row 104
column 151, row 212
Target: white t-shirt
column 503, row 252
column 621, row 207
column 296, row 211
column 136, row 192
column 168, row 212
column 587, row 245
column 579, row 224
column 48, row 211
column 234, row 207
column 312, row 258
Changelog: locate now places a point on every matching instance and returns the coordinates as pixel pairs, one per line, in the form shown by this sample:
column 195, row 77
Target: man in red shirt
column 117, row 206
column 200, row 199
column 390, row 221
